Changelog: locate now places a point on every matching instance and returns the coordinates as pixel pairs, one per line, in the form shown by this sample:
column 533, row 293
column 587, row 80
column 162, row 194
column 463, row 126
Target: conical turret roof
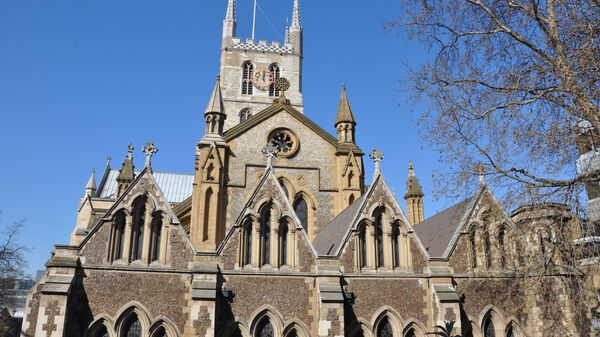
column 215, row 105
column 344, row 114
column 413, row 187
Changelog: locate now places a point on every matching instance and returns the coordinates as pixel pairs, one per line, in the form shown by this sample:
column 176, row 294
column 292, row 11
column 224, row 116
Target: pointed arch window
column 285, row 189
column 236, row 333
column 488, row 328
column 411, row 333
column 119, row 236
column 137, row 233
column 133, row 327
column 396, row 246
column 276, row 71
column 487, row 248
column 283, row 243
column 265, row 233
column 472, row 242
column 379, row 238
column 156, row 236
column 208, row 201
column 102, row 332
column 385, row 329
column 501, row 248
column 245, row 113
column 247, row 69
column 247, row 231
column 161, row 332
column 293, row 333
column 301, row 209
column 362, row 246
column 351, row 199
column 265, row 329
column 510, row 332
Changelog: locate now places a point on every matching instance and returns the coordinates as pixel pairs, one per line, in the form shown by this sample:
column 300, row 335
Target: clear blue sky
column 79, row 80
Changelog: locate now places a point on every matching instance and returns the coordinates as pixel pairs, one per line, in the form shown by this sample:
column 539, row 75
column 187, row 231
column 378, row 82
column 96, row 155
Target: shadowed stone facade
column 280, row 235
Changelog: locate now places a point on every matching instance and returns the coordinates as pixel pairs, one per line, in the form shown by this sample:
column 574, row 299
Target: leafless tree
column 512, row 88
column 12, row 262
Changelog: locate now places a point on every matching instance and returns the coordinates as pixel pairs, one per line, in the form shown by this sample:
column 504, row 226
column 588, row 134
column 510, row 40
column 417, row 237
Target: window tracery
column 276, row 71
column 247, row 69
column 133, row 327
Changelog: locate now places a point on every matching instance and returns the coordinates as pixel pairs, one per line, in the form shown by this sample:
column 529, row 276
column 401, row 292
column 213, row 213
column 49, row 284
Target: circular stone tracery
column 285, row 140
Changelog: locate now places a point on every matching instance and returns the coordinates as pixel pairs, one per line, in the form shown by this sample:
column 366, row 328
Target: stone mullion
column 404, row 250
column 112, row 246
column 164, row 239
column 241, row 245
column 388, row 259
column 126, row 256
column 147, row 233
column 357, row 255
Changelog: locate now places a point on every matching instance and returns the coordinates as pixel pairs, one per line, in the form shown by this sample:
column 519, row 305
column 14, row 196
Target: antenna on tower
column 254, row 20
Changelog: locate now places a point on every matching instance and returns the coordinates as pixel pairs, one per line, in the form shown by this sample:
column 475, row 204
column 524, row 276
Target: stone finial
column 296, row 24
column 130, row 149
column 90, row 188
column 481, row 170
column 149, row 149
column 377, row 157
column 411, row 169
column 270, row 150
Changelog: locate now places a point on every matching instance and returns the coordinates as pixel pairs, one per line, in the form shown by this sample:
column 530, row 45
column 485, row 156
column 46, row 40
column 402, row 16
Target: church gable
column 267, row 232
column 139, row 228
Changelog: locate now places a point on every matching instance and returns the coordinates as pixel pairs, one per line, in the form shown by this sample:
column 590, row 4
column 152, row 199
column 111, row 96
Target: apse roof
column 175, row 186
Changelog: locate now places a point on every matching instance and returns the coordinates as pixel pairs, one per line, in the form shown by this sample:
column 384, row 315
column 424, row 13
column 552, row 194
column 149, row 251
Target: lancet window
column 283, row 243
column 247, row 243
column 137, row 233
column 276, row 71
column 156, row 237
column 362, row 237
column 379, row 239
column 385, row 329
column 265, row 329
column 265, row 234
column 396, row 246
column 472, row 243
column 488, row 328
column 118, row 236
column 133, row 327
column 245, row 113
column 247, row 69
column 301, row 209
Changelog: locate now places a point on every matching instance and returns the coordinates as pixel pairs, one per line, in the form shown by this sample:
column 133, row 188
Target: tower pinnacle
column 296, row 24
column 90, row 188
column 414, row 197
column 230, row 16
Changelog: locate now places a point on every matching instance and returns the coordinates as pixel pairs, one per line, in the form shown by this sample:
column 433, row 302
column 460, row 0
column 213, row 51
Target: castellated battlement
column 262, row 46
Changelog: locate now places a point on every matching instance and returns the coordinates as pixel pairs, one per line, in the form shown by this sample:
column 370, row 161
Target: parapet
column 262, row 46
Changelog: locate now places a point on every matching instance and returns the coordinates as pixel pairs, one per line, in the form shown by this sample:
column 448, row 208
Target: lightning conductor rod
column 254, row 20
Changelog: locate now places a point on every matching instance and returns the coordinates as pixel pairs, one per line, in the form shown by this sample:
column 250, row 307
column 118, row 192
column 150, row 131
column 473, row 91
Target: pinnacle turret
column 344, row 114
column 126, row 175
column 230, row 16
column 215, row 116
column 215, row 105
column 296, row 24
column 414, row 197
column 90, row 188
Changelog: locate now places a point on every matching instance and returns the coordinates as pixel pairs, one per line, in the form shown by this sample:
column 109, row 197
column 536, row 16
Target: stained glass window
column 488, row 328
column 385, row 329
column 265, row 329
column 301, row 209
column 133, row 328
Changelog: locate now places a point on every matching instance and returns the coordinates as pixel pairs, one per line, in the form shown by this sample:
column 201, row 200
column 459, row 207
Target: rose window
column 285, row 141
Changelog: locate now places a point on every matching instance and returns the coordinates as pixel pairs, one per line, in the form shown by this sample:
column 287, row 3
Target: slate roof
column 436, row 232
column 332, row 236
column 176, row 186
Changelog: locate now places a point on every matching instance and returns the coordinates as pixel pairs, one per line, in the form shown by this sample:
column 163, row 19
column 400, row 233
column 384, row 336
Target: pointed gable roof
column 215, row 105
column 272, row 110
column 344, row 114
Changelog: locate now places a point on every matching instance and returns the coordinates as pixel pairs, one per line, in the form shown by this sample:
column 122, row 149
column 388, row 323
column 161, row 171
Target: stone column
column 388, row 258
column 274, row 249
column 147, row 232
column 405, row 253
column 127, row 242
column 371, row 246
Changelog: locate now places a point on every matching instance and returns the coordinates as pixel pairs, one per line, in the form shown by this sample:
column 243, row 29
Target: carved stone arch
column 296, row 325
column 100, row 322
column 387, row 312
column 481, row 212
column 270, row 313
column 495, row 315
column 167, row 324
column 233, row 328
column 287, row 183
column 127, row 311
column 515, row 327
column 360, row 329
column 268, row 202
column 415, row 325
column 123, row 209
column 308, row 197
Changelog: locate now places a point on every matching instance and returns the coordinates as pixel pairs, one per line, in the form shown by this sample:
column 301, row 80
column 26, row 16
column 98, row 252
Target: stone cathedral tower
column 249, row 69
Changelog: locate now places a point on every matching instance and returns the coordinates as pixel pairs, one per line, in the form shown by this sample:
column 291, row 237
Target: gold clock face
column 262, row 78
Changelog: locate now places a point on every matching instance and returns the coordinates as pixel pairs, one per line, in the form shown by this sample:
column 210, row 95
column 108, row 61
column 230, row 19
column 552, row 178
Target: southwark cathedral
column 279, row 233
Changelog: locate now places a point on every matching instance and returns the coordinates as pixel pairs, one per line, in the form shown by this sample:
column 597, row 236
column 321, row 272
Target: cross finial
column 377, row 157
column 149, row 149
column 270, row 150
column 130, row 151
column 282, row 84
column 481, row 170
column 411, row 168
